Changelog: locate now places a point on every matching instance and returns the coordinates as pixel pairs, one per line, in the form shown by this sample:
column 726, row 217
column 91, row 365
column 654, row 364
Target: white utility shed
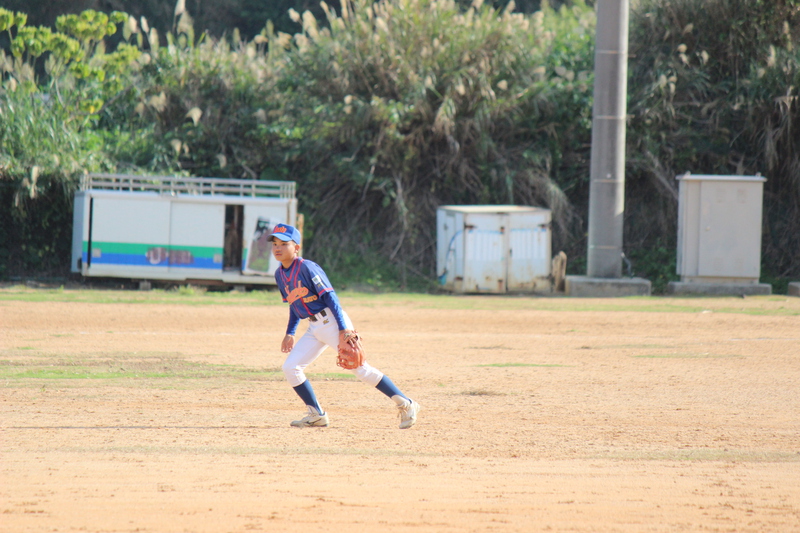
column 179, row 229
column 719, row 228
column 493, row 248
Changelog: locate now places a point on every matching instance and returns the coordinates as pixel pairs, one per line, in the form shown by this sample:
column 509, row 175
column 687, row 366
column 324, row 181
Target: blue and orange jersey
column 305, row 286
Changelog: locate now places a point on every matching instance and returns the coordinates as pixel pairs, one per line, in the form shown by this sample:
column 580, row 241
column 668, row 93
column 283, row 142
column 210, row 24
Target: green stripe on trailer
column 128, row 248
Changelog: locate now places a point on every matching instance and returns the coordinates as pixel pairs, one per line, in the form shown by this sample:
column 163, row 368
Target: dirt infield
column 539, row 414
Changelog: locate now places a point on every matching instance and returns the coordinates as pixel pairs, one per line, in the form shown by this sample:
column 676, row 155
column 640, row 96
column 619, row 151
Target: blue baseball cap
column 286, row 233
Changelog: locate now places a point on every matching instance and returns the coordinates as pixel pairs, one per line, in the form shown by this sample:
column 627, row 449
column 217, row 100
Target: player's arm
column 291, row 328
column 294, row 320
column 330, row 299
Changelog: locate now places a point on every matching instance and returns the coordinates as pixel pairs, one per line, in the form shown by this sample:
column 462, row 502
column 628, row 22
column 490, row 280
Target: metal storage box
column 179, row 229
column 719, row 228
column 493, row 248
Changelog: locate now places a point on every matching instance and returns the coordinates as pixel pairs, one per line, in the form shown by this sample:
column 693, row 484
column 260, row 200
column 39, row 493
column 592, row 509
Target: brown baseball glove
column 351, row 351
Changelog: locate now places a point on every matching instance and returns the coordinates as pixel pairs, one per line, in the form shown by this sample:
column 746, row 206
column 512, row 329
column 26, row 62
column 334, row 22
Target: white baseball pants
column 321, row 334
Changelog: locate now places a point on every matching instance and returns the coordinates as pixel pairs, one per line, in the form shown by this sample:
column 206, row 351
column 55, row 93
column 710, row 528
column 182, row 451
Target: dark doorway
column 232, row 254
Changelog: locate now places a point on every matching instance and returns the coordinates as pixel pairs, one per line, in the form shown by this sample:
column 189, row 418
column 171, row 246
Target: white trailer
column 493, row 248
column 202, row 230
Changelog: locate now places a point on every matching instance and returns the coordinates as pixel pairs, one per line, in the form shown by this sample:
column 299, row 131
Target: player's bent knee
column 368, row 374
column 294, row 375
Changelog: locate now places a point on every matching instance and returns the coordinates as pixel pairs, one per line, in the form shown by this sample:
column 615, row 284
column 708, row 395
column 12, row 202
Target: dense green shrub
column 712, row 92
column 393, row 108
column 205, row 102
column 53, row 86
column 217, row 18
column 382, row 111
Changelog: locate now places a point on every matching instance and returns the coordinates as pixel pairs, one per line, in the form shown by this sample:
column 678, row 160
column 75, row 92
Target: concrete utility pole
column 607, row 175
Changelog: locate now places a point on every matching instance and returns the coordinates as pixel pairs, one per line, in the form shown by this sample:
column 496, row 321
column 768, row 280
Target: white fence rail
column 195, row 186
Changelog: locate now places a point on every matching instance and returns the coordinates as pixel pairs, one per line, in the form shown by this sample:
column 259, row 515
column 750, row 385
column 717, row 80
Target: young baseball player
column 305, row 286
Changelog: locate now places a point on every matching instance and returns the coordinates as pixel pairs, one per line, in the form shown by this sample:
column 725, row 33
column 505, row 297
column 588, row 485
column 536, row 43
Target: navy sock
column 389, row 389
column 306, row 394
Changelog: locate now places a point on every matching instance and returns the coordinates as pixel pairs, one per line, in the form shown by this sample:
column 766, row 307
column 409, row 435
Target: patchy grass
column 127, row 367
column 182, row 295
column 773, row 305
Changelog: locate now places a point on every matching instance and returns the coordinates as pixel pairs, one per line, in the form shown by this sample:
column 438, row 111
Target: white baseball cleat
column 312, row 420
column 408, row 413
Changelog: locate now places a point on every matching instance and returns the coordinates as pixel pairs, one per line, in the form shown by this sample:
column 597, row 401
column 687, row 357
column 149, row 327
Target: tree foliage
column 712, row 92
column 382, row 111
column 47, row 127
column 396, row 107
column 218, row 18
